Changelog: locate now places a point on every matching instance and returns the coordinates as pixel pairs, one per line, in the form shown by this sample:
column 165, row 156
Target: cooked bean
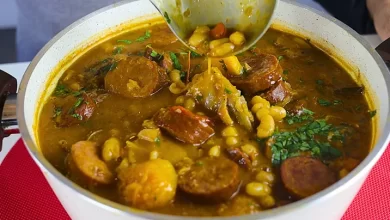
column 149, row 134
column 233, row 65
column 277, row 112
column 266, row 127
column 267, row 201
column 237, row 38
column 265, row 177
column 123, row 165
column 174, row 75
column 189, row 104
column 202, row 30
column 148, row 124
column 215, row 43
column 258, row 99
column 231, row 141
column 222, row 50
column 176, row 89
column 180, row 100
column 215, row 151
column 257, row 189
column 343, row 173
column 219, row 31
column 111, row 149
column 196, row 39
column 249, row 149
column 229, row 131
column 262, row 112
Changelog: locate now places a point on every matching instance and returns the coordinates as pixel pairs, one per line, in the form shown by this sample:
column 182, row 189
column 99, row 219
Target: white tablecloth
column 17, row 70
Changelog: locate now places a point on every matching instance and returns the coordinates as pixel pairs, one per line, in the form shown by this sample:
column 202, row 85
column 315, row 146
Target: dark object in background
column 7, row 46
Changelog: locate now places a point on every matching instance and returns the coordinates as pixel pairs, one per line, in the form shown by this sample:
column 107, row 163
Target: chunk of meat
column 304, row 176
column 136, row 77
column 264, row 72
column 217, row 94
column 85, row 157
column 211, row 180
column 239, row 205
column 280, row 94
column 148, row 185
column 240, row 157
column 74, row 110
column 184, row 125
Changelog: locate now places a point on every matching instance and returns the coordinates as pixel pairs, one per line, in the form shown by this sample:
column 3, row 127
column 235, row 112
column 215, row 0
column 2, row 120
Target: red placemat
column 25, row 194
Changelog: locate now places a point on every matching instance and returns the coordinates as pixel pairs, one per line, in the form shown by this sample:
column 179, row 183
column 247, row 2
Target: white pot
column 335, row 36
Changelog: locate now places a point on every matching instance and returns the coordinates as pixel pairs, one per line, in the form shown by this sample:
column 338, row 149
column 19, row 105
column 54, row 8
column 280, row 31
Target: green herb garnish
column 280, row 58
column 57, row 112
column 167, row 17
column 199, row 98
column 194, row 54
column 175, row 60
column 157, row 141
column 144, row 37
column 199, row 163
column 124, row 41
column 154, row 54
column 306, row 115
column 324, row 102
column 372, row 113
column 117, row 50
column 61, row 91
column 228, row 91
column 304, row 139
column 77, row 116
column 337, row 102
column 285, row 72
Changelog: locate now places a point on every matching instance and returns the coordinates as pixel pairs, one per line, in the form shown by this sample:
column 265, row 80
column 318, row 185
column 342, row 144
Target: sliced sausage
column 240, row 157
column 148, row 185
column 304, row 176
column 184, row 125
column 280, row 93
column 264, row 72
column 211, row 180
column 136, row 77
column 85, row 157
column 74, row 110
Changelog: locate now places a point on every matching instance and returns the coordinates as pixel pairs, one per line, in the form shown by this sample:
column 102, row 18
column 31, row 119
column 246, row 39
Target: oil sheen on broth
column 139, row 120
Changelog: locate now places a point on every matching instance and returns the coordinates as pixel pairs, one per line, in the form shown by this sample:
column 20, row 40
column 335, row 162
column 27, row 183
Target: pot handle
column 384, row 51
column 8, row 85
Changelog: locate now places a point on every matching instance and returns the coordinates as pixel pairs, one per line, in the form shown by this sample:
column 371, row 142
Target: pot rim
column 343, row 184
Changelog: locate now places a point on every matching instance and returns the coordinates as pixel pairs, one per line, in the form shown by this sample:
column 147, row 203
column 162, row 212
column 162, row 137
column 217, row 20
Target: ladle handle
column 8, row 85
column 384, row 51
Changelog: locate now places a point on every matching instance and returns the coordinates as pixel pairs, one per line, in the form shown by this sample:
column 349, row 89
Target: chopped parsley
column 280, row 58
column 306, row 115
column 102, row 67
column 57, row 112
column 324, row 102
column 183, row 75
column 175, row 60
column 372, row 113
column 157, row 141
column 117, row 50
column 61, row 90
column 304, row 139
column 194, row 54
column 124, row 41
column 146, row 36
column 77, row 104
column 167, row 17
column 228, row 91
column 77, row 116
column 154, row 54
column 337, row 102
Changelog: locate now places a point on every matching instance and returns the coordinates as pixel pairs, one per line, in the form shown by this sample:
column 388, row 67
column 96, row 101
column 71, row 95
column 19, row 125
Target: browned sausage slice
column 280, row 93
column 305, row 176
column 74, row 110
column 211, row 180
column 240, row 157
column 184, row 125
column 265, row 72
column 136, row 77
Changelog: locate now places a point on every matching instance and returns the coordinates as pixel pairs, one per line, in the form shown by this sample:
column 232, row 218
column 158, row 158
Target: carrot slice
column 219, row 31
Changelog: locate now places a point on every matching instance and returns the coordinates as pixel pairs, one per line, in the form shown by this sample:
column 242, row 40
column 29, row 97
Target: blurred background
column 8, row 24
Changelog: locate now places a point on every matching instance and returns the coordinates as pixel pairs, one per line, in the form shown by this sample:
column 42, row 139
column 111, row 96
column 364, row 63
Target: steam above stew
column 141, row 120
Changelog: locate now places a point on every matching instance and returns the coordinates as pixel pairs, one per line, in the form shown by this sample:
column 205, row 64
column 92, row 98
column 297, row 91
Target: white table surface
column 17, row 70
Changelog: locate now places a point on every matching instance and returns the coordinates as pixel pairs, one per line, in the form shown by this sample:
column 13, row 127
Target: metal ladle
column 252, row 17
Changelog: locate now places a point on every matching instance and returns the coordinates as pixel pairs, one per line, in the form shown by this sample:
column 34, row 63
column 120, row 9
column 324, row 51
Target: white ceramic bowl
column 336, row 37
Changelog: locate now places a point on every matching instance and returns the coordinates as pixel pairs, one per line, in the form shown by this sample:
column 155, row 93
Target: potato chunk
column 148, row 185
